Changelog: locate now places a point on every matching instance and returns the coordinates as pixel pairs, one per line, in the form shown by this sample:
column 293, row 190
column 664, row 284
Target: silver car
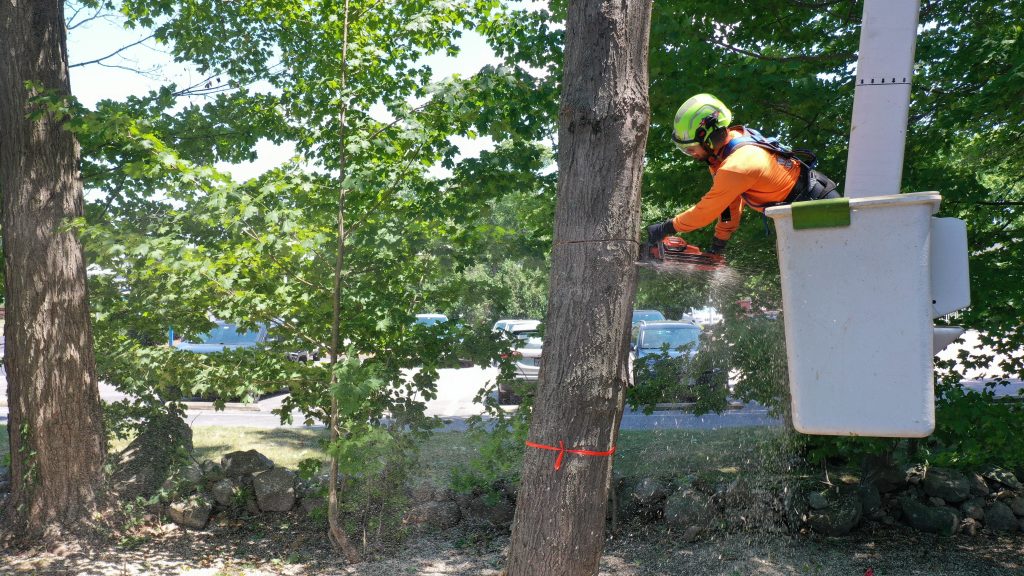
column 515, row 325
column 526, row 356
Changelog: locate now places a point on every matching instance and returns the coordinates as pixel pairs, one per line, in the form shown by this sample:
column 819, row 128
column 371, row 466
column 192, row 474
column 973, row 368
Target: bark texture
column 603, row 122
column 55, row 426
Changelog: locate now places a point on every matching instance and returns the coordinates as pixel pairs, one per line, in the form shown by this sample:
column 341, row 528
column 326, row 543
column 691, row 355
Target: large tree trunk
column 560, row 517
column 55, row 427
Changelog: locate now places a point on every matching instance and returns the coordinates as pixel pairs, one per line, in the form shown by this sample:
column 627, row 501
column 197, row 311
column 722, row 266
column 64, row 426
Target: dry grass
column 285, row 446
column 282, row 544
column 292, row 544
column 639, row 453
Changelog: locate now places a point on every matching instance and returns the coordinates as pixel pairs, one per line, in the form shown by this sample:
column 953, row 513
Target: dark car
column 653, row 337
column 665, row 354
column 647, row 316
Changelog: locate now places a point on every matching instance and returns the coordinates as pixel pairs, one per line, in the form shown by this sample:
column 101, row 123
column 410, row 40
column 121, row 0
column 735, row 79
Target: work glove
column 717, row 246
column 657, row 232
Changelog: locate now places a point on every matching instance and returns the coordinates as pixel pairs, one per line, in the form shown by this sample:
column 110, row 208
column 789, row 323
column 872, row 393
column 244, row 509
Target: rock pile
column 929, row 499
column 937, row 500
column 243, row 480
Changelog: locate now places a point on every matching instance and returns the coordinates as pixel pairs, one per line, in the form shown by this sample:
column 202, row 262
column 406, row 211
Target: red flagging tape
column 562, row 451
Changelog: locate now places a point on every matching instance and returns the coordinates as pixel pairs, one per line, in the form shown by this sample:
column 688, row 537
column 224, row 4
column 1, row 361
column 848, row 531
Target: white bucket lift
column 864, row 276
column 862, row 280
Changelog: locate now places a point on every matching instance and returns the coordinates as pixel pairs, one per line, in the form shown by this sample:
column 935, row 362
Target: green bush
column 501, row 442
column 661, row 378
column 975, row 429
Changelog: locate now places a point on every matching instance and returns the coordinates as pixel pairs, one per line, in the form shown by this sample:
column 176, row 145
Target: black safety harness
column 811, row 184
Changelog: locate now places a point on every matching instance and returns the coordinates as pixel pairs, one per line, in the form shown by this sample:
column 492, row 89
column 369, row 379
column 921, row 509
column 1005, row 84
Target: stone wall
column 938, row 500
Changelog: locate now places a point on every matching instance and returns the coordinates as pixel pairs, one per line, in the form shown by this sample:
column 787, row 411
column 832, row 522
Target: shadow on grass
column 285, row 446
column 292, row 437
column 727, row 450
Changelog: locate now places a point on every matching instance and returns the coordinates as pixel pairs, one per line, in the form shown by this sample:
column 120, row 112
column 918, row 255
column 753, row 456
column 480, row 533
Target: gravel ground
column 291, row 548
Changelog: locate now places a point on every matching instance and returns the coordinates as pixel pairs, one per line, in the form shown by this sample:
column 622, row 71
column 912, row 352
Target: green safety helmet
column 696, row 119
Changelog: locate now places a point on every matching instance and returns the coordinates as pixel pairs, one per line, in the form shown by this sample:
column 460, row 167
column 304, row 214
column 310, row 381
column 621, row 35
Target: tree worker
column 748, row 169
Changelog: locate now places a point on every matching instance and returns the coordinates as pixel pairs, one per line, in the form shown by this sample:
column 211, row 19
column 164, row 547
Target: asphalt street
column 454, row 405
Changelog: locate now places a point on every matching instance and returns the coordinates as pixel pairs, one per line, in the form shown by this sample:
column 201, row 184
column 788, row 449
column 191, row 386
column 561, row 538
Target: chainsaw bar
column 674, row 253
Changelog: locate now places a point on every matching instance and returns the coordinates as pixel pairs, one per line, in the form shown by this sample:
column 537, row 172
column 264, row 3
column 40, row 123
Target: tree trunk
column 55, row 427
column 560, row 517
column 336, row 486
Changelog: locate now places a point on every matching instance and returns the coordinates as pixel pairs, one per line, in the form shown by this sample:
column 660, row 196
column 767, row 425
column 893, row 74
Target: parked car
column 647, row 316
column 688, row 318
column 430, row 319
column 304, row 356
column 705, row 316
column 668, row 349
column 510, row 325
column 526, row 357
column 225, row 336
column 651, row 338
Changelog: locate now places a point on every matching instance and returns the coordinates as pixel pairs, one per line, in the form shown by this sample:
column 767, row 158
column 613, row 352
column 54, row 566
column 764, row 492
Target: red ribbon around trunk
column 562, row 451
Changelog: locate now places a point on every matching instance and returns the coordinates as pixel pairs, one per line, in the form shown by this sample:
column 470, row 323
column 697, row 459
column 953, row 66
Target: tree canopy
column 173, row 242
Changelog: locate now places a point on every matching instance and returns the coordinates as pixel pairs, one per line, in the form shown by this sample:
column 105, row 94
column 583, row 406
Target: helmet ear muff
column 708, row 124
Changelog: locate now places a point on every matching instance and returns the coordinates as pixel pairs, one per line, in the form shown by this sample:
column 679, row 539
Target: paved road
column 632, row 420
column 454, row 404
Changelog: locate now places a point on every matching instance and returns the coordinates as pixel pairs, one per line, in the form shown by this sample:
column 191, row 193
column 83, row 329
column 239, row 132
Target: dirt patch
column 293, row 547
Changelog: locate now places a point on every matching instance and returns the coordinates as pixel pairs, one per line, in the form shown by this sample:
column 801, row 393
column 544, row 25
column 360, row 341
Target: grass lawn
column 285, row 446
column 727, row 451
column 639, row 453
column 268, row 545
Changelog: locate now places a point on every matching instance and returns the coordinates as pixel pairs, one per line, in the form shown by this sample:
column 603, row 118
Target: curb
column 239, row 407
column 665, row 406
column 228, row 406
column 688, row 405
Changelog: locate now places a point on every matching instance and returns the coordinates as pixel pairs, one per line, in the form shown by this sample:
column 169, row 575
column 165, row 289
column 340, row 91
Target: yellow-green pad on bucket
column 821, row 214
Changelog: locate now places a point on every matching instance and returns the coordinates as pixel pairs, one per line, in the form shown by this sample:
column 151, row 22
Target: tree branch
column 399, row 177
column 99, row 14
column 205, row 87
column 808, row 122
column 396, row 121
column 111, row 55
column 840, row 57
column 816, row 5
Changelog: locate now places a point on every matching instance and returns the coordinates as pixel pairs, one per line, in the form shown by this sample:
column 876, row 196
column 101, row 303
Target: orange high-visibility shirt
column 749, row 173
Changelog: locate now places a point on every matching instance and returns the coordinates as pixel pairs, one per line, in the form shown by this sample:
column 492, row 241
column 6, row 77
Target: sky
column 147, row 66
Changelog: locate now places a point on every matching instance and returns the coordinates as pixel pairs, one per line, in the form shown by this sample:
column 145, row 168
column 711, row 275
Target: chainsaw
column 674, row 253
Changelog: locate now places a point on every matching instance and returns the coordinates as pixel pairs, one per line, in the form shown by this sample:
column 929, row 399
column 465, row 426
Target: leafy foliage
column 975, row 430
column 660, row 378
column 501, row 438
column 177, row 242
column 790, row 74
